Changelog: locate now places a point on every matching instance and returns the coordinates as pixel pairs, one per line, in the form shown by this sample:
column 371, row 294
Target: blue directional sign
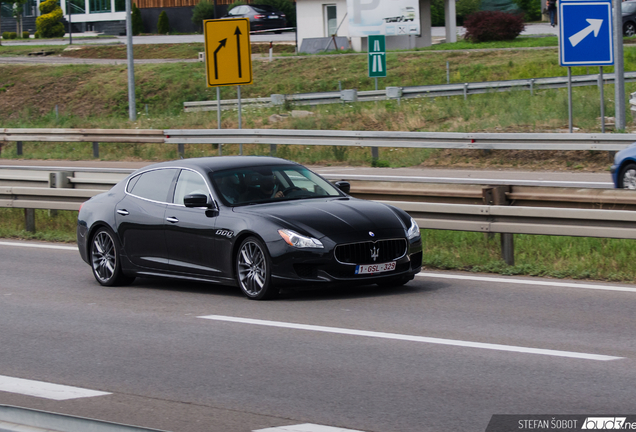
column 586, row 33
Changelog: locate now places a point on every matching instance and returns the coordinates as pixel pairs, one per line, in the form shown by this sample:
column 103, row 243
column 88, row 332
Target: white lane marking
column 411, row 338
column 527, row 282
column 42, row 246
column 306, row 427
column 44, row 389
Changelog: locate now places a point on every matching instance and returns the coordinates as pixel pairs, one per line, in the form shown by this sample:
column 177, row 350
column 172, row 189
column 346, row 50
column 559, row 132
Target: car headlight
column 292, row 238
column 414, row 230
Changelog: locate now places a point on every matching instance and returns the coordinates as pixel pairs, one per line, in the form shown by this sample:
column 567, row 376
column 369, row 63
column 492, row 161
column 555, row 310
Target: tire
column 253, row 270
column 105, row 259
column 629, row 29
column 627, row 177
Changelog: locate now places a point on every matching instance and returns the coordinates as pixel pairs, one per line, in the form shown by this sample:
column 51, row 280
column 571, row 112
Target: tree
column 18, row 11
column 163, row 25
column 137, row 22
column 204, row 10
column 531, row 9
column 49, row 23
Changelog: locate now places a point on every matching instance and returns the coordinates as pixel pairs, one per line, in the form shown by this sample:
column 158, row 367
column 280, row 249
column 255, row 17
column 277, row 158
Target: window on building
column 99, row 6
column 76, row 6
column 331, row 22
column 120, row 5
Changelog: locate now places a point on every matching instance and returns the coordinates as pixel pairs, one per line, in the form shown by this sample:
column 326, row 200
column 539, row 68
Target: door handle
column 172, row 219
column 123, row 212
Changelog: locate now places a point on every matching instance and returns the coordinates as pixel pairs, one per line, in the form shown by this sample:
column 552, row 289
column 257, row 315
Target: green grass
column 547, row 256
column 50, row 226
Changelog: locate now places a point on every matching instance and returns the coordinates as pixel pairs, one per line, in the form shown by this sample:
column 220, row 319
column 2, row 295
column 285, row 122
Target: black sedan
column 259, row 223
column 262, row 17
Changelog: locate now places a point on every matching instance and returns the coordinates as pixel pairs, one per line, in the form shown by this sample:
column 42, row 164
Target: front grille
column 362, row 253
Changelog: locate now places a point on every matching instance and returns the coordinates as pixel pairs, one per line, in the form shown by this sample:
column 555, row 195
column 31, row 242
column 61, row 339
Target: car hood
column 345, row 218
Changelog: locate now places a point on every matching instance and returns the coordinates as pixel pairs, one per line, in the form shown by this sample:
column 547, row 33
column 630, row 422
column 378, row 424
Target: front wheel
column 253, row 272
column 629, row 29
column 627, row 177
column 105, row 259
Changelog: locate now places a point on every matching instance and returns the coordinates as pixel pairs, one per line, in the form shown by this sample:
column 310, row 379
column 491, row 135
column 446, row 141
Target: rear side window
column 153, row 185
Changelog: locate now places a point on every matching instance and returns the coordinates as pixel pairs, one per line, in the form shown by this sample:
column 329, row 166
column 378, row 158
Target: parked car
column 624, row 168
column 259, row 223
column 629, row 17
column 262, row 17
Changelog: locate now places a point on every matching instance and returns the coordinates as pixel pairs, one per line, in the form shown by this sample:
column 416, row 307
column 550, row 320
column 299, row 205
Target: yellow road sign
column 228, row 53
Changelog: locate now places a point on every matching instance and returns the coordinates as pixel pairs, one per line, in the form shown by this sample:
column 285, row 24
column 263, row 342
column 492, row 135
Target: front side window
column 189, row 183
column 270, row 183
column 152, row 185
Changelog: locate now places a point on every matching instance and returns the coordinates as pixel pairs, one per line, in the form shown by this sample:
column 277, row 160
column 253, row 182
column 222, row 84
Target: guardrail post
column 272, row 149
column 532, row 87
column 465, row 91
column 95, row 150
column 181, row 150
column 350, row 95
column 59, row 180
column 19, row 148
column 496, row 195
column 375, row 155
column 29, row 220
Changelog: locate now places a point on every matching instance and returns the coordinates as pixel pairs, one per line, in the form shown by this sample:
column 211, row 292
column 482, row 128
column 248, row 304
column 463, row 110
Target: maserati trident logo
column 375, row 252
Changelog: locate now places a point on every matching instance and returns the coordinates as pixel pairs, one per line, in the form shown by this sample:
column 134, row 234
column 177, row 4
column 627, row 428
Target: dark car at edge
column 262, row 17
column 258, row 223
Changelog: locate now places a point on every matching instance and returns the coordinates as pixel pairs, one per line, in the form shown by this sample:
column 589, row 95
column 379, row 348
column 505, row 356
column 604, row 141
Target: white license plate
column 375, row 268
column 273, row 16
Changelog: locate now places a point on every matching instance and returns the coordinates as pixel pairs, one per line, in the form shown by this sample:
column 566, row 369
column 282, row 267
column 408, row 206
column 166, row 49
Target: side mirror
column 344, row 186
column 196, row 200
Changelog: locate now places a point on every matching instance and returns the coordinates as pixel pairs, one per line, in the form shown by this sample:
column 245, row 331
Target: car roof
column 219, row 163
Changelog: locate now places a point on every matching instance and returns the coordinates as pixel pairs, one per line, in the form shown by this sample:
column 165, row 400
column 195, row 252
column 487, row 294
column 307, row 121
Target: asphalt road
column 164, row 366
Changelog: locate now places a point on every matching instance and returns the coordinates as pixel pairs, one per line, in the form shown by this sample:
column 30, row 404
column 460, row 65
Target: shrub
column 163, row 26
column 486, row 26
column 26, row 35
column 5, row 35
column 204, row 10
column 49, row 23
column 12, row 35
column 36, row 35
column 137, row 21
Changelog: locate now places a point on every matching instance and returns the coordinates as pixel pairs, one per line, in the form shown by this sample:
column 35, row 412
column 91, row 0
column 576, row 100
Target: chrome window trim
column 165, row 202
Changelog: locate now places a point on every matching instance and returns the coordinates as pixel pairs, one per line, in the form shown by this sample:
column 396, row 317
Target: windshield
column 270, row 183
column 628, row 7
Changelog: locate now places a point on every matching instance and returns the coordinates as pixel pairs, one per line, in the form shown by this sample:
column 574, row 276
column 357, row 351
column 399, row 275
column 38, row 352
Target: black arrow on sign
column 238, row 33
column 216, row 68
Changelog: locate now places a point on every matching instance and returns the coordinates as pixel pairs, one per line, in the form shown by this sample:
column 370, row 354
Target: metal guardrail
column 507, row 210
column 17, row 419
column 446, row 140
column 457, row 89
column 372, row 139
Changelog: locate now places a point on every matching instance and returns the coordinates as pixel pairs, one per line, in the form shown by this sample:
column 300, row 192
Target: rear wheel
column 253, row 272
column 105, row 259
column 629, row 29
column 627, row 177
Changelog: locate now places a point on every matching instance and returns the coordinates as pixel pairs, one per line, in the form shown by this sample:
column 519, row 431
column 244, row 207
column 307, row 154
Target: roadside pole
column 619, row 75
column 132, row 109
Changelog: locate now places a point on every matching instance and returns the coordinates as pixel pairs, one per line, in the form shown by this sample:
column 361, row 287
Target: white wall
column 310, row 19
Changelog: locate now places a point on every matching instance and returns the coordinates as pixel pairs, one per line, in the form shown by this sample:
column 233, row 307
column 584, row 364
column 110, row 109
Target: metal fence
column 458, row 89
column 373, row 140
column 506, row 210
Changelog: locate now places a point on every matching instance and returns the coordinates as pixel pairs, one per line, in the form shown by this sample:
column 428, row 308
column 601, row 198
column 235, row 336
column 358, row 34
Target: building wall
column 310, row 18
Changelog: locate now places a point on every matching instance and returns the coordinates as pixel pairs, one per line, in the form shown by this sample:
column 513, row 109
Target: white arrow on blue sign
column 586, row 33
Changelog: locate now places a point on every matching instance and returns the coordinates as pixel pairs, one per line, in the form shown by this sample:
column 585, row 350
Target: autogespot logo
column 607, row 423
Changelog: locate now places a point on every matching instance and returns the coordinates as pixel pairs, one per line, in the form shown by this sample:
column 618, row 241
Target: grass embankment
column 94, row 96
